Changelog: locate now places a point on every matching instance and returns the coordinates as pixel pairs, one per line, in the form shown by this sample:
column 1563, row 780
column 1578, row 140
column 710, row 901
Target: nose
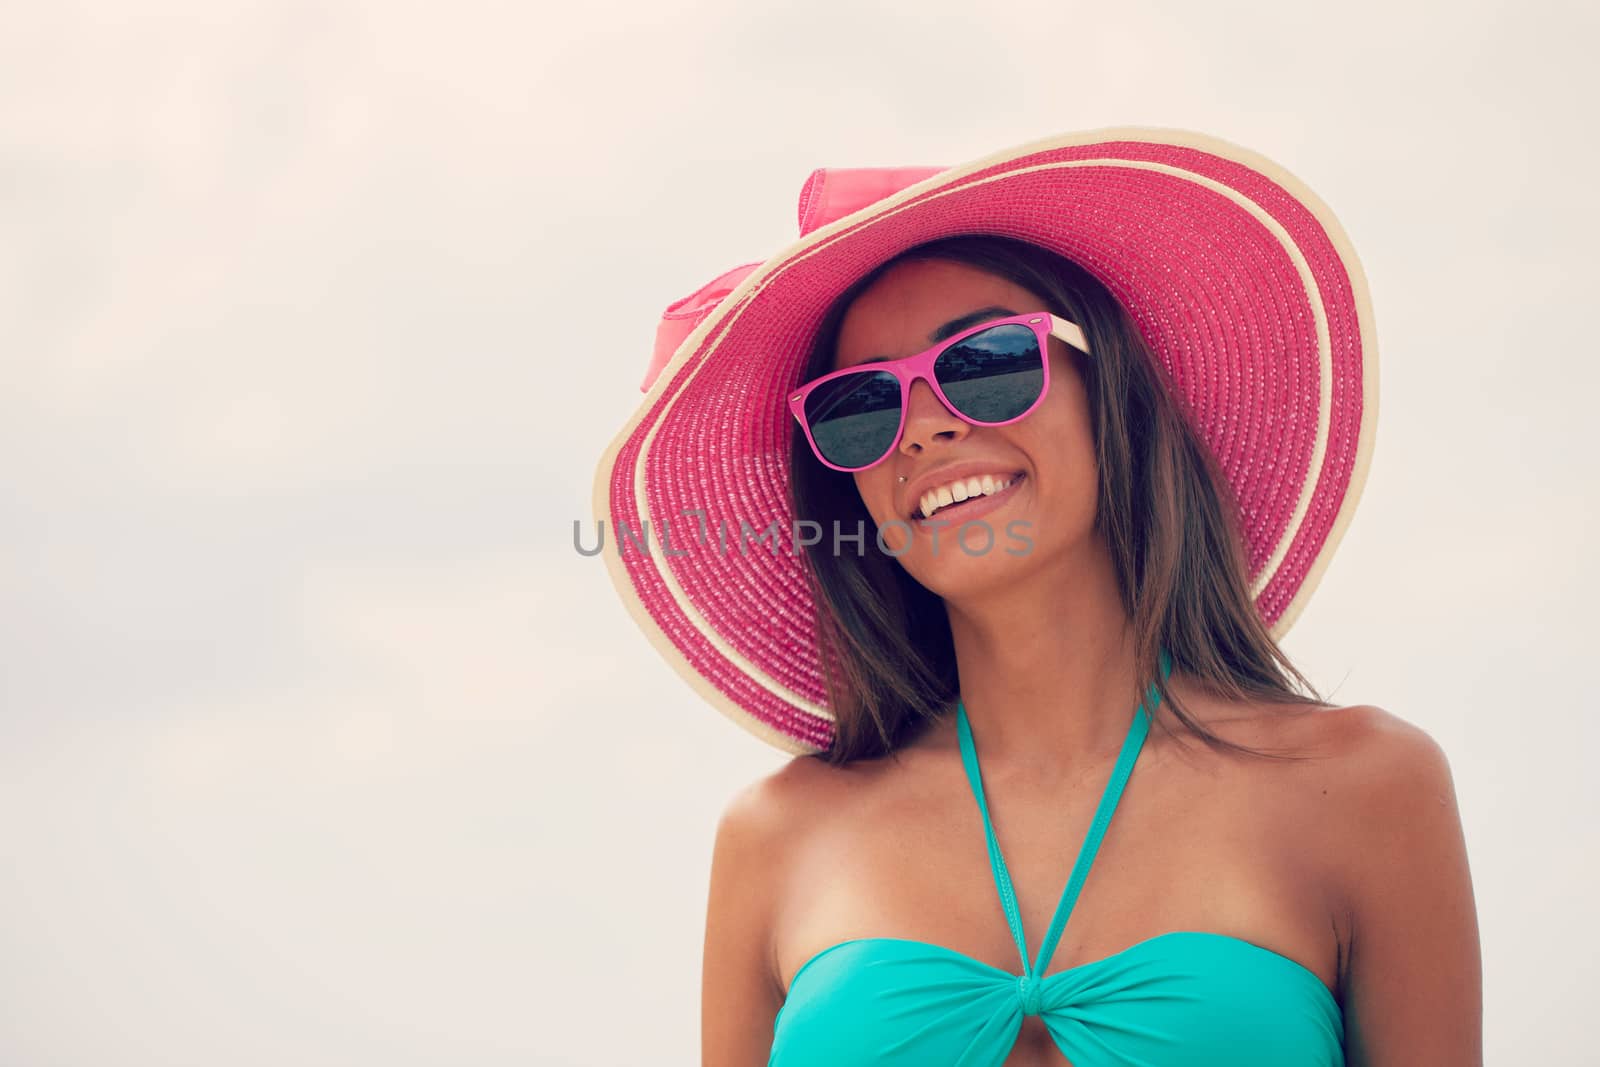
column 928, row 420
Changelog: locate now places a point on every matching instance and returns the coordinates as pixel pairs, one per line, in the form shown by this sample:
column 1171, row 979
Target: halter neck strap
column 1132, row 743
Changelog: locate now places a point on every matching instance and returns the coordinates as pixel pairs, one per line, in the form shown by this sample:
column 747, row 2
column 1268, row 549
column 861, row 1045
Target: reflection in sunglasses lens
column 993, row 376
column 853, row 419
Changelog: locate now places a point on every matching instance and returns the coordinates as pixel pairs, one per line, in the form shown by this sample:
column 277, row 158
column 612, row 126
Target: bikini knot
column 1029, row 991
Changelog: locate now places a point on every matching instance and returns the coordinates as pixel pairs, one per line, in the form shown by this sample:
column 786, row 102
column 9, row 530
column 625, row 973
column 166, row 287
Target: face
column 1048, row 456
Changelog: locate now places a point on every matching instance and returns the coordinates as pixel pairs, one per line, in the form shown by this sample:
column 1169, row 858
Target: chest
column 1216, row 849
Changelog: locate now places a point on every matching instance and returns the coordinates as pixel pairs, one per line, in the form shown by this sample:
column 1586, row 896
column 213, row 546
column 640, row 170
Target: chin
column 954, row 574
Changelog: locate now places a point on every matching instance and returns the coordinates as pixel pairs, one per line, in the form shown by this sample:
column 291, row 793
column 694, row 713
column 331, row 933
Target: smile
column 966, row 497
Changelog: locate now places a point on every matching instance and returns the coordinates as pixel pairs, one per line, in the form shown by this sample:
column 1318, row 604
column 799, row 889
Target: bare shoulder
column 1412, row 979
column 760, row 831
column 741, row 990
column 1353, row 797
column 1368, row 731
column 1392, row 782
column 1358, row 749
column 764, row 824
column 760, row 820
column 777, row 803
column 1369, row 768
column 1380, row 761
column 1362, row 750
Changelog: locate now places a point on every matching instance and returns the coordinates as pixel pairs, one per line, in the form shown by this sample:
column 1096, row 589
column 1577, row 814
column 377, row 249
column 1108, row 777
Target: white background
column 319, row 742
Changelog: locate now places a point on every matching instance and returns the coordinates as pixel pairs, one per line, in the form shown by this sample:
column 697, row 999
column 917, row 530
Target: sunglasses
column 990, row 375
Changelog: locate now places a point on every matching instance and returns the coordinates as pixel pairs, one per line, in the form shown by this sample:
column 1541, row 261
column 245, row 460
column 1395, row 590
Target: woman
column 1092, row 501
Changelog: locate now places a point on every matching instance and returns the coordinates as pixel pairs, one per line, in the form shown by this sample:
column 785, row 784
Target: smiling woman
column 1151, row 351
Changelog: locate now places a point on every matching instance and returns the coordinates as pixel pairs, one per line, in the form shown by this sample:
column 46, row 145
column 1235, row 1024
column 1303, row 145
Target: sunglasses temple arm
column 1069, row 333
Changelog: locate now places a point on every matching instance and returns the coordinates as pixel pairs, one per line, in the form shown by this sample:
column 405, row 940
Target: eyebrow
column 956, row 325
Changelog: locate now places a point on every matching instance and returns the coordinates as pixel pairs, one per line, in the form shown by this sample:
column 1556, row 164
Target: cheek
column 1062, row 446
column 1071, row 427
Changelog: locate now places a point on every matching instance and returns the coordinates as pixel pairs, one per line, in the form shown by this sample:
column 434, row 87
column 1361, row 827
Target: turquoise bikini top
column 1185, row 997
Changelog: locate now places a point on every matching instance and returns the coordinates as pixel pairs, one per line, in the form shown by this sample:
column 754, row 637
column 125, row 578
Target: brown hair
column 1164, row 509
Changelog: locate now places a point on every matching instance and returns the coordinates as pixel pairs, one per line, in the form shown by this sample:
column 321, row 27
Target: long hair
column 1164, row 509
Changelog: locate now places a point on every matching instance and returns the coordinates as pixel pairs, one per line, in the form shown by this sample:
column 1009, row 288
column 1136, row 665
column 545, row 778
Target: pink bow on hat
column 829, row 194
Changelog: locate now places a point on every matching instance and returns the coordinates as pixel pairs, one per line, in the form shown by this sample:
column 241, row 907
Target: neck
column 1047, row 667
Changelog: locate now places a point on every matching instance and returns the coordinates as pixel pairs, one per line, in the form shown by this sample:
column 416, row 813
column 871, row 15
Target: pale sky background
column 320, row 745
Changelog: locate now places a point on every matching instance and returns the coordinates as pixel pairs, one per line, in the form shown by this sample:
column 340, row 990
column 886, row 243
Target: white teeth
column 957, row 491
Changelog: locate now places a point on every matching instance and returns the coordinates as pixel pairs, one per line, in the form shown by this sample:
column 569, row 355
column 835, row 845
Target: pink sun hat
column 1238, row 277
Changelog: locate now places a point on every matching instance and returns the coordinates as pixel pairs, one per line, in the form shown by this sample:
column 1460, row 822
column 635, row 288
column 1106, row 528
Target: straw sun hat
column 1238, row 277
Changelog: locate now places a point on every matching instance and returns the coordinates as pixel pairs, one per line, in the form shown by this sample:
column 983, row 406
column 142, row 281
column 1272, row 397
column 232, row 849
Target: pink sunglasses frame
column 909, row 369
